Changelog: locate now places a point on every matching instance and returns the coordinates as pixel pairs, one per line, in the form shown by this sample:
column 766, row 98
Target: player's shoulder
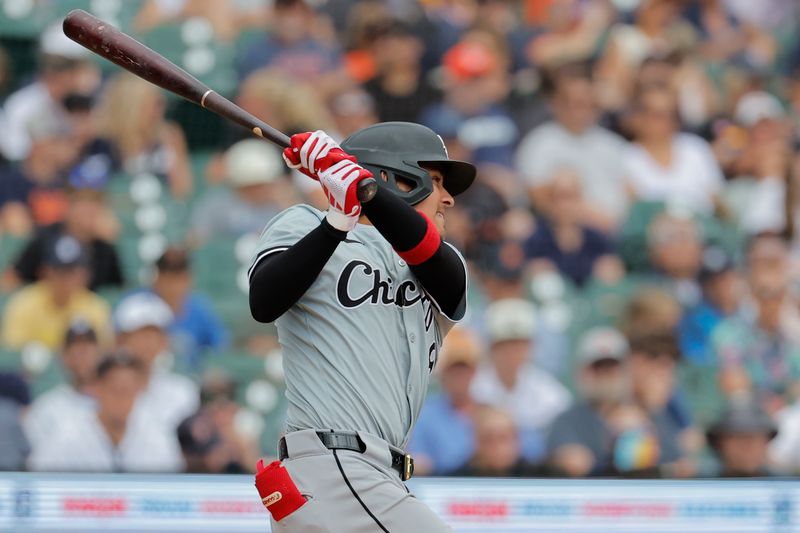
column 296, row 214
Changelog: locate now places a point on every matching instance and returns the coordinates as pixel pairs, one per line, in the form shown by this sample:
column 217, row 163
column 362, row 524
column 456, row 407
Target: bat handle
column 366, row 189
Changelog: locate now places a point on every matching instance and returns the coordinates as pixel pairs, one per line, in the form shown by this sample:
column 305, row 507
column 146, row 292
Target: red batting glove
column 318, row 156
column 312, row 152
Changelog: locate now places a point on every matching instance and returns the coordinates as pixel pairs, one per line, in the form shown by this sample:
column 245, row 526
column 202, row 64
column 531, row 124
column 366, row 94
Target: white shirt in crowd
column 535, row 401
column 169, row 397
column 784, row 450
column 61, row 405
column 595, row 155
column 20, row 109
column 84, row 446
column 692, row 179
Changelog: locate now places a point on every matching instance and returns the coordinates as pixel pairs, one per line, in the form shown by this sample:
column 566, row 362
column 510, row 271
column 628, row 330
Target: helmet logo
column 443, row 146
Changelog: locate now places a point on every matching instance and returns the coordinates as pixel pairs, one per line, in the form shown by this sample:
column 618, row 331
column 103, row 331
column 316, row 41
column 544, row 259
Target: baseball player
column 362, row 296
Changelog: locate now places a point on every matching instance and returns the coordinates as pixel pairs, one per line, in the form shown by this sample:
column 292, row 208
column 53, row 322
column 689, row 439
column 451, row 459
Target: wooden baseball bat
column 125, row 51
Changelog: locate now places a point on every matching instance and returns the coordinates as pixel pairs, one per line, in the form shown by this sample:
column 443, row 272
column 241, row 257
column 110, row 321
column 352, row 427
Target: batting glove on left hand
column 318, row 156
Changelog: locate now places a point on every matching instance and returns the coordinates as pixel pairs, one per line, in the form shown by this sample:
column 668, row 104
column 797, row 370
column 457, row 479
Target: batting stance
column 362, row 297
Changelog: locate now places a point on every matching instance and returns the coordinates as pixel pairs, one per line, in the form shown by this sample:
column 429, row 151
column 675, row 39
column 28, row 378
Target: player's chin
column 438, row 221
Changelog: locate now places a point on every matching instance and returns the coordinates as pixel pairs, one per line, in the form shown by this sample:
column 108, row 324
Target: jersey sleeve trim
column 462, row 308
column 260, row 257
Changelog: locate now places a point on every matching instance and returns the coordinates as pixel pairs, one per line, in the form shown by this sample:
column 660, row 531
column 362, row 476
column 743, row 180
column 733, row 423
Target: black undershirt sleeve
column 443, row 275
column 280, row 279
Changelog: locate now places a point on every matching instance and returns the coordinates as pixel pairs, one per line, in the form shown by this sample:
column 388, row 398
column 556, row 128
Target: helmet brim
column 458, row 175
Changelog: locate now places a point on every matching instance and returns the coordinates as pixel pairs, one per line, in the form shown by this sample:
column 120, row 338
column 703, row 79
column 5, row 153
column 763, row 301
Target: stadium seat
column 24, row 19
column 191, row 46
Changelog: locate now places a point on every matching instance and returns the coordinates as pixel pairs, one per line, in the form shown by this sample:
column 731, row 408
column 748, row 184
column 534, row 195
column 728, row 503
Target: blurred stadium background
column 632, row 241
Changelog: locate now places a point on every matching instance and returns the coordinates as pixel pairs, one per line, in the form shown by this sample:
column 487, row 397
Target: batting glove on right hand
column 318, row 156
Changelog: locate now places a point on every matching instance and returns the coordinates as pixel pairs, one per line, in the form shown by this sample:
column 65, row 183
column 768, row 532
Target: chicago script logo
column 382, row 290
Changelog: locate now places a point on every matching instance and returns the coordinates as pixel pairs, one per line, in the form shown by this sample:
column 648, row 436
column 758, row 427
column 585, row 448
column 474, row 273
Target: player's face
column 435, row 205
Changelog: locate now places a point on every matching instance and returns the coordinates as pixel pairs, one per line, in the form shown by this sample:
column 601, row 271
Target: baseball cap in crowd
column 141, row 310
column 53, row 42
column 756, row 106
column 253, row 162
column 716, row 261
column 741, row 417
column 467, row 60
column 460, row 347
column 511, row 319
column 64, row 252
column 79, row 329
column 600, row 344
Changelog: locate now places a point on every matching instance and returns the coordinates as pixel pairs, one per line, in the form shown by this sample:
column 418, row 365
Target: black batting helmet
column 400, row 150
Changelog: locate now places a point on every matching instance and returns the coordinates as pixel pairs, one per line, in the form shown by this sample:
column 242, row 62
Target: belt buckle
column 408, row 467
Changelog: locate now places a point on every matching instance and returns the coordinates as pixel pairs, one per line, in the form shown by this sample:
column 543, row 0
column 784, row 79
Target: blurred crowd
column 632, row 237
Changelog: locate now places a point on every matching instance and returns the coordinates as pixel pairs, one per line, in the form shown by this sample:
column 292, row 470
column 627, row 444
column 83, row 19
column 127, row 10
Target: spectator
column 497, row 448
column 562, row 242
column 443, row 439
column 665, row 165
column 726, row 39
column 115, row 438
column 352, row 109
column 63, row 69
column 784, row 450
column 758, row 154
column 512, row 382
column 134, row 132
column 86, row 214
column 41, row 312
column 572, row 33
column 142, row 321
column 759, row 350
column 14, row 399
column 476, row 84
column 293, row 46
column 657, row 33
column 721, row 286
column 209, row 439
column 195, row 326
column 652, row 363
column 582, row 439
column 257, row 190
column 675, row 248
column 33, row 192
column 741, row 440
column 400, row 88
column 574, row 140
column 71, row 400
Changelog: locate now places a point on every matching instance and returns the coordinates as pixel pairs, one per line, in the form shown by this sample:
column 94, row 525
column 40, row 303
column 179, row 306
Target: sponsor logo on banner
column 165, row 506
column 95, row 506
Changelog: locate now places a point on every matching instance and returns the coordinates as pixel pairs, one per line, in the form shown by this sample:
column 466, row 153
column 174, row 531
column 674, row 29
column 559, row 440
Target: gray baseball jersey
column 360, row 344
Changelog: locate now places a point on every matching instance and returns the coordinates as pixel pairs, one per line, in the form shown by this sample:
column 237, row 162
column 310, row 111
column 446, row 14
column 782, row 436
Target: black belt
column 349, row 440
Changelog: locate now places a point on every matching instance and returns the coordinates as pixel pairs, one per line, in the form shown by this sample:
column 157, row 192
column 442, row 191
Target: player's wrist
column 340, row 221
column 337, row 234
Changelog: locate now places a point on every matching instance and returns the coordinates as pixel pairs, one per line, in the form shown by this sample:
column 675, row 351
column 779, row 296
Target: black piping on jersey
column 261, row 255
column 344, row 476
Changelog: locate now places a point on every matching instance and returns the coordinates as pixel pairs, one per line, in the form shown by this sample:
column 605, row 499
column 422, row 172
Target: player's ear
column 384, row 175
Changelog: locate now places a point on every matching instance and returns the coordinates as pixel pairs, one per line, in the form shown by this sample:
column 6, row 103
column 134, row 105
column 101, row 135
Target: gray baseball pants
column 351, row 492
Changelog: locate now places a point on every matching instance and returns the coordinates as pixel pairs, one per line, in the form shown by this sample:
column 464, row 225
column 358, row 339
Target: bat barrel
column 124, row 51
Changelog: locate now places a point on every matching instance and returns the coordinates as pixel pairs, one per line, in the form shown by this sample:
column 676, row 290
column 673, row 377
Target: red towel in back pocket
column 278, row 492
